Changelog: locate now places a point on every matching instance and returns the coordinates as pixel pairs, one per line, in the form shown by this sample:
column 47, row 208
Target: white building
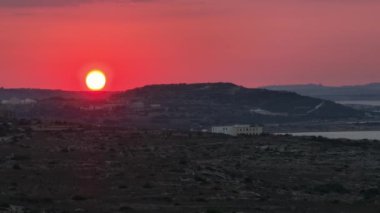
column 236, row 130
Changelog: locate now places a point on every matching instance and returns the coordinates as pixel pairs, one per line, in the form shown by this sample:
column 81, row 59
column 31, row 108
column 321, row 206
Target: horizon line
column 157, row 84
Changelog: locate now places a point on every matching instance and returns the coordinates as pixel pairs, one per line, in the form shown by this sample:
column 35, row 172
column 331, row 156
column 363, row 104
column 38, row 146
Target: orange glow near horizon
column 96, row 80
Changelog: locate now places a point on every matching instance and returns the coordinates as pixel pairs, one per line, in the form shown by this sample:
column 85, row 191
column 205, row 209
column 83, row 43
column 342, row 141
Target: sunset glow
column 250, row 43
column 96, row 80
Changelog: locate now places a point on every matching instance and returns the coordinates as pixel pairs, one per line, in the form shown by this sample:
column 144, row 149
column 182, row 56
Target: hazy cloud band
column 56, row 3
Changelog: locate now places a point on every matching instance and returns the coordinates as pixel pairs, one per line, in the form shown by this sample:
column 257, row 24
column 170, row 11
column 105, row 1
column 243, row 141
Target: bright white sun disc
column 96, row 80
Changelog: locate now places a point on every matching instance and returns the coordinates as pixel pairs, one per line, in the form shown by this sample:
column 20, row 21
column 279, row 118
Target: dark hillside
column 213, row 103
column 176, row 106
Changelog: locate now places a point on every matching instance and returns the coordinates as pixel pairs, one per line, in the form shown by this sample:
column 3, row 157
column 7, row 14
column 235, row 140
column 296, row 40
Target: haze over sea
column 367, row 103
column 353, row 135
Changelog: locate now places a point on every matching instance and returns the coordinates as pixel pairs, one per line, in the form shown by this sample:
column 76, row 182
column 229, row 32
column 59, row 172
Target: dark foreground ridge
column 99, row 171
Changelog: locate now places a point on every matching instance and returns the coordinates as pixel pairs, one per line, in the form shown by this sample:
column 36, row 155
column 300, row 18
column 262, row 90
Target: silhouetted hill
column 40, row 94
column 221, row 103
column 358, row 92
column 179, row 106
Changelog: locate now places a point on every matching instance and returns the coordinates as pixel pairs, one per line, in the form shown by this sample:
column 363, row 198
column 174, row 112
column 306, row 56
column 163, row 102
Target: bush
column 148, row 185
column 213, row 211
column 331, row 188
column 370, row 193
column 78, row 198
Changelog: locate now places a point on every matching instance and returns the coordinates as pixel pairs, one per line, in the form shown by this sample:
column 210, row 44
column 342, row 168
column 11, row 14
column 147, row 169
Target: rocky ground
column 121, row 171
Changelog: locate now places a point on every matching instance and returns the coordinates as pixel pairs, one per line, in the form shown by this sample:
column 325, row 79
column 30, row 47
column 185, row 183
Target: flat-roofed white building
column 236, row 130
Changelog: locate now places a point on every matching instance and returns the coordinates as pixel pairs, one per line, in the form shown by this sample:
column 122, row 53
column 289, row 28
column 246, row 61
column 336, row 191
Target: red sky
column 50, row 44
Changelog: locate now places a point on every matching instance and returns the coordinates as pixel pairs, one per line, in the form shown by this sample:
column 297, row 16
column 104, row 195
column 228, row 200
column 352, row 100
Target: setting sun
column 96, row 80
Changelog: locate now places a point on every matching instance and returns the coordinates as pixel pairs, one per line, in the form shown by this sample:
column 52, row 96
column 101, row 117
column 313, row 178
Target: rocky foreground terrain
column 108, row 171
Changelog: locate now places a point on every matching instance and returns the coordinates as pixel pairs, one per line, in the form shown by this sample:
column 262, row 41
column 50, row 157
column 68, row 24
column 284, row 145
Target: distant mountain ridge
column 40, row 94
column 181, row 106
column 341, row 93
column 221, row 103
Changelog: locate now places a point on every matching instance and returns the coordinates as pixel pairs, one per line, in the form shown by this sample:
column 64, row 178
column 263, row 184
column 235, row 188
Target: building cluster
column 236, row 130
column 103, row 106
column 17, row 101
